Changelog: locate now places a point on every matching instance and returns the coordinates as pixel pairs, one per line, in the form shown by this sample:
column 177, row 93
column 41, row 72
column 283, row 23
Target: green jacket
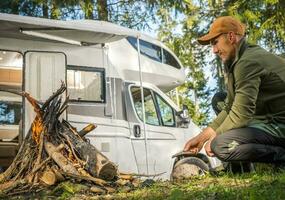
column 256, row 92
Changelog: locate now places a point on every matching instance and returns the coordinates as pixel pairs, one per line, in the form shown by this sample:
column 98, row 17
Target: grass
column 248, row 186
column 260, row 185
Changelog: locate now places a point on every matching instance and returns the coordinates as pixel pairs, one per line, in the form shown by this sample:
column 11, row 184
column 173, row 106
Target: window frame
column 133, row 42
column 157, row 109
column 89, row 69
column 164, row 60
column 134, row 108
column 159, row 113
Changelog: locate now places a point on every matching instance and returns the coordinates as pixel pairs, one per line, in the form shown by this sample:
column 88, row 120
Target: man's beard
column 228, row 63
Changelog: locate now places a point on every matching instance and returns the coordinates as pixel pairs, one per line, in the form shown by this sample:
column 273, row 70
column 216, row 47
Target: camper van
column 116, row 78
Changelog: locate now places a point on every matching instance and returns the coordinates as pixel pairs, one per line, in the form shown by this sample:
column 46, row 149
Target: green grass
column 247, row 186
column 260, row 185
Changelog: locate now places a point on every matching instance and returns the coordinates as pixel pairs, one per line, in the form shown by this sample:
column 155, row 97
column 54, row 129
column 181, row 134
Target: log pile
column 54, row 151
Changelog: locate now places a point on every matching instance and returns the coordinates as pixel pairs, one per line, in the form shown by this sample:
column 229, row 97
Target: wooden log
column 97, row 181
column 87, row 129
column 57, row 173
column 10, row 185
column 97, row 190
column 13, row 169
column 126, row 176
column 97, row 164
column 110, row 189
column 48, row 177
column 60, row 160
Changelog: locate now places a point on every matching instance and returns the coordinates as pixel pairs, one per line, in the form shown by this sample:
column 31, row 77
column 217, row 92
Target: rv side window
column 10, row 112
column 165, row 111
column 86, row 84
column 169, row 59
column 11, row 71
column 151, row 116
column 148, row 49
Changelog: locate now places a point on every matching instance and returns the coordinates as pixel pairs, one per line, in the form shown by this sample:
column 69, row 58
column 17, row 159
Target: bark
column 102, row 8
column 96, row 163
column 60, row 160
column 54, row 151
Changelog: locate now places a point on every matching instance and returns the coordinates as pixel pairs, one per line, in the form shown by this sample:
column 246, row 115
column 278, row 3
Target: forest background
column 177, row 23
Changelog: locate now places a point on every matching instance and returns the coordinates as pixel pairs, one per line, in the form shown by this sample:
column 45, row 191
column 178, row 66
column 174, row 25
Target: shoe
column 233, row 168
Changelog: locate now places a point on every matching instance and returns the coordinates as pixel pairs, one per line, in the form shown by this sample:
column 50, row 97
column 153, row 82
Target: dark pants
column 247, row 144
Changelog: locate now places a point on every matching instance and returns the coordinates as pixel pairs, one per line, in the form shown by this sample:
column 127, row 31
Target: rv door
column 44, row 72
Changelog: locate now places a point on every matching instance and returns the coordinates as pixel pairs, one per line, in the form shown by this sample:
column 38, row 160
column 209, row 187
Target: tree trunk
column 102, row 8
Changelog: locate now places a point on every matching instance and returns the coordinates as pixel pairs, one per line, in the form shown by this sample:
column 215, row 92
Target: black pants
column 249, row 144
column 246, row 144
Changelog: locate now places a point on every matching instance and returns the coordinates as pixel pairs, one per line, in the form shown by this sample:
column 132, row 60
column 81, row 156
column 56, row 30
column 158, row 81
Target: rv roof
column 80, row 32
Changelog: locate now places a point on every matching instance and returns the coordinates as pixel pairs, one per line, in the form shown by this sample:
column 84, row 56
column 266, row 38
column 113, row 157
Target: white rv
column 108, row 70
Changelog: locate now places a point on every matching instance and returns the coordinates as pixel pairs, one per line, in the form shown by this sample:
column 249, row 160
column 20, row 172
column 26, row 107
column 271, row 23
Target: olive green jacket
column 256, row 92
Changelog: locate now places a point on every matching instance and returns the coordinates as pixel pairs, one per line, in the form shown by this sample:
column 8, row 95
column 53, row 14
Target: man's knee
column 219, row 147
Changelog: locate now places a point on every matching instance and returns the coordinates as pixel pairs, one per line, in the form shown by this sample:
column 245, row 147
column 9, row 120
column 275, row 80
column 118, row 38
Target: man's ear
column 232, row 37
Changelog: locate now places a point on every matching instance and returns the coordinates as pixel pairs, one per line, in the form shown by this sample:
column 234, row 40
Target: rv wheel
column 188, row 167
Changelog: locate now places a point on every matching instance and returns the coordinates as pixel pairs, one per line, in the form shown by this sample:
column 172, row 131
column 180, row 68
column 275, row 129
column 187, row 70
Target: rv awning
column 81, row 32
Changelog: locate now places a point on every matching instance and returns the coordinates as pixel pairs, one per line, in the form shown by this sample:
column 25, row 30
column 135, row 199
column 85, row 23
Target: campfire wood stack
column 54, row 150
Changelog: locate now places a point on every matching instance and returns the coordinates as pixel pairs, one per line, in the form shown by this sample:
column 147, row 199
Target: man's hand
column 208, row 149
column 207, row 146
column 195, row 144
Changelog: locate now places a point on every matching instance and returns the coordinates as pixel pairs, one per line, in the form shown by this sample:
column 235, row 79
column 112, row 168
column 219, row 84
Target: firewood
column 97, row 190
column 40, row 165
column 136, row 182
column 83, row 172
column 97, row 164
column 73, row 152
column 54, row 151
column 10, row 185
column 122, row 182
column 48, row 177
column 87, row 129
column 57, row 173
column 126, row 176
column 97, row 181
column 62, row 162
column 110, row 189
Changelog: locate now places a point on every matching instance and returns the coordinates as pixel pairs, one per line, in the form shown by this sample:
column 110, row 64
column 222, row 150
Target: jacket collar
column 241, row 48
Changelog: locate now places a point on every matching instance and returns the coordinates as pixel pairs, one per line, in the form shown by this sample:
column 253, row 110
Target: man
column 251, row 126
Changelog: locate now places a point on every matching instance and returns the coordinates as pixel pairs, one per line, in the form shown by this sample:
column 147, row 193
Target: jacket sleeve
column 247, row 77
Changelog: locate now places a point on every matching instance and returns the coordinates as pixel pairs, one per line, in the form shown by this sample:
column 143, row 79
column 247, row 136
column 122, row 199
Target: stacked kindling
column 54, row 150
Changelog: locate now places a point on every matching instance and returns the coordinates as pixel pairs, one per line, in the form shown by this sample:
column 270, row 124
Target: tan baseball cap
column 222, row 25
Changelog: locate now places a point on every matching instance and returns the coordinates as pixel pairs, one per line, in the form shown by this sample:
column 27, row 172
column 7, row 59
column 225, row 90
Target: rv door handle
column 137, row 131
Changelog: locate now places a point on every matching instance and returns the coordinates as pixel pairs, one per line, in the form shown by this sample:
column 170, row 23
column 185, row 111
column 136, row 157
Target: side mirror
column 185, row 113
column 184, row 116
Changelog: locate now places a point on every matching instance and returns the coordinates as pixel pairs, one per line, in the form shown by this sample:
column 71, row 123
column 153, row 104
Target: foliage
column 140, row 14
column 181, row 22
column 195, row 93
column 265, row 21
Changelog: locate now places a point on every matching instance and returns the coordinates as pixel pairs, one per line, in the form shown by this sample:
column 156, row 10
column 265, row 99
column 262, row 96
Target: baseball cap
column 222, row 25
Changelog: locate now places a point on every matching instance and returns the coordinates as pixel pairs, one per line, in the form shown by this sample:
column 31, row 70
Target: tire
column 189, row 167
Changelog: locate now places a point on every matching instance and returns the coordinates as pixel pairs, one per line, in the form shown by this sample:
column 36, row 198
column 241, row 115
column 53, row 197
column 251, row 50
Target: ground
column 267, row 184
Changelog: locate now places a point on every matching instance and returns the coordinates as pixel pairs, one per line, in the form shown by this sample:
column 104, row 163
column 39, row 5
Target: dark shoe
column 233, row 168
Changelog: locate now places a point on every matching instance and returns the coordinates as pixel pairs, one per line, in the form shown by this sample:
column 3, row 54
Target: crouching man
column 251, row 125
